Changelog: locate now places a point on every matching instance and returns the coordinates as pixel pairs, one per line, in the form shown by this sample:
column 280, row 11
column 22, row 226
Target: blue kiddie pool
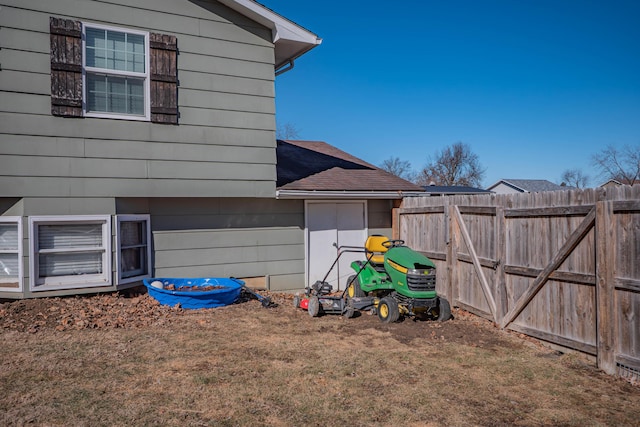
column 194, row 293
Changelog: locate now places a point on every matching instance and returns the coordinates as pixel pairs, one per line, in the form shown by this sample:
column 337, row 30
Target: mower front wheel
column 388, row 310
column 444, row 310
column 314, row 306
column 353, row 289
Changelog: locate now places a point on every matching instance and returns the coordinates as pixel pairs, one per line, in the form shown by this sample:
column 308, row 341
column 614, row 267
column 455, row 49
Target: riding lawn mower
column 393, row 281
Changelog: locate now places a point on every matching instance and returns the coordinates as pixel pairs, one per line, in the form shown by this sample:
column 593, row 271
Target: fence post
column 395, row 223
column 500, row 281
column 605, row 286
column 452, row 254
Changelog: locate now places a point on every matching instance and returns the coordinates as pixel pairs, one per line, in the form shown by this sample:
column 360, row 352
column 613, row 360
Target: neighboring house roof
column 445, row 190
column 308, row 169
column 611, row 183
column 290, row 39
column 529, row 185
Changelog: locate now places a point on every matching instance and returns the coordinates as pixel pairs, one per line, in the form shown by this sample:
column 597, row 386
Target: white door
column 330, row 225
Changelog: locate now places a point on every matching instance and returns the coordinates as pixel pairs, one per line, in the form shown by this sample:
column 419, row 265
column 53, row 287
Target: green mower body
column 405, row 276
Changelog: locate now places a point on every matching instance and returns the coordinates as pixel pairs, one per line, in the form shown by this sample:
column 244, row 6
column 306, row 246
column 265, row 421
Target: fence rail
column 561, row 266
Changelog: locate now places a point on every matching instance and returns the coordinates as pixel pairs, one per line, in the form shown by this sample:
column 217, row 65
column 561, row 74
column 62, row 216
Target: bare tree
column 399, row 168
column 575, row 178
column 287, row 131
column 621, row 164
column 454, row 165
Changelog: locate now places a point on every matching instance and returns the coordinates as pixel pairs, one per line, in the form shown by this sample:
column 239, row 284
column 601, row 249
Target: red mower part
column 304, row 304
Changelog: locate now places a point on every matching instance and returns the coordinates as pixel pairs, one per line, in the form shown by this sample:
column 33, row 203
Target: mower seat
column 373, row 245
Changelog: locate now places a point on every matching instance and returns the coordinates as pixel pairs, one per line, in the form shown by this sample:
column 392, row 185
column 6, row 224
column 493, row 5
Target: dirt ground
column 125, row 360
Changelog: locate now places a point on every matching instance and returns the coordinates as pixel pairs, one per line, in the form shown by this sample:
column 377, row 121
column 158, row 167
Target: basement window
column 69, row 252
column 10, row 254
column 133, row 257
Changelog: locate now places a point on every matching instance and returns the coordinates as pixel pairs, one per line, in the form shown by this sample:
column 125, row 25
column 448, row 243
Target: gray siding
column 203, row 237
column 232, row 237
column 223, row 147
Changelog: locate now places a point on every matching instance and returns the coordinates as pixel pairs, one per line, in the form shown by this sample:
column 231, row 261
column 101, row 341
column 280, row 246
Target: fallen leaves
column 113, row 310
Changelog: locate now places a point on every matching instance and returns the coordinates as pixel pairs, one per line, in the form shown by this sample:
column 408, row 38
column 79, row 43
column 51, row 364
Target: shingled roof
column 318, row 166
column 529, row 185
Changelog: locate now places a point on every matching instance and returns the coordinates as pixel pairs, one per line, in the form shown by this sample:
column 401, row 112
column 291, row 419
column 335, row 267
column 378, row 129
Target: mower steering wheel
column 393, row 243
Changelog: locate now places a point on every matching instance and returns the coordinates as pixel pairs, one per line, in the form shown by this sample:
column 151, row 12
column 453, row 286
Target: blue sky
column 534, row 87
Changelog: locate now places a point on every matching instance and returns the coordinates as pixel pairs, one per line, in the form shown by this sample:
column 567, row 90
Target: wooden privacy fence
column 559, row 266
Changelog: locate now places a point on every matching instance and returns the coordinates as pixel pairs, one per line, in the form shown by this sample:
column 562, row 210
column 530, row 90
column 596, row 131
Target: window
column 70, row 252
column 116, row 72
column 11, row 254
column 109, row 72
column 133, row 259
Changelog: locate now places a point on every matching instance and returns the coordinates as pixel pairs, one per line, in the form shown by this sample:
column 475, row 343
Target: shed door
column 330, row 225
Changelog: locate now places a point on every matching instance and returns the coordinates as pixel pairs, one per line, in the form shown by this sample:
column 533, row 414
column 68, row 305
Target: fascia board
column 321, row 195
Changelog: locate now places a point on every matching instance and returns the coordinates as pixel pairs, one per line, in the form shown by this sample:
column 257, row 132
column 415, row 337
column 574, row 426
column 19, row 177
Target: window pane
column 110, row 94
column 8, row 237
column 134, row 262
column 96, row 44
column 117, row 95
column 132, row 233
column 8, row 267
column 69, row 236
column 135, row 53
column 96, row 93
column 115, row 50
column 69, row 264
column 136, row 96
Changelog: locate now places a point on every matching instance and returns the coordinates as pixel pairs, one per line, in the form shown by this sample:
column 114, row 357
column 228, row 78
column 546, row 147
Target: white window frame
column 37, row 283
column 146, row 75
column 16, row 220
column 132, row 218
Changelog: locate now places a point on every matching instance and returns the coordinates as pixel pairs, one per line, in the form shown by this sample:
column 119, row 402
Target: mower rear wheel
column 354, row 289
column 388, row 310
column 444, row 310
column 314, row 306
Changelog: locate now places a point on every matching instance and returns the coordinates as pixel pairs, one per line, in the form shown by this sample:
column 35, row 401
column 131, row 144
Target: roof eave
column 508, row 184
column 290, row 39
column 343, row 194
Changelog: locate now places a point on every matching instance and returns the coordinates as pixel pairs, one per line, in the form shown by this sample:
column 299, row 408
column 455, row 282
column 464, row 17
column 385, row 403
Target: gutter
column 283, row 70
column 344, row 194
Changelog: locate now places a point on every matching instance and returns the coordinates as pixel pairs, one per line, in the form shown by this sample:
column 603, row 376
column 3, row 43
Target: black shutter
column 164, row 78
column 66, row 67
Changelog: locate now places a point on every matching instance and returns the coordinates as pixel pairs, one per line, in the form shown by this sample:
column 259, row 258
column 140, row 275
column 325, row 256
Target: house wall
column 504, row 189
column 228, row 238
column 191, row 237
column 224, row 145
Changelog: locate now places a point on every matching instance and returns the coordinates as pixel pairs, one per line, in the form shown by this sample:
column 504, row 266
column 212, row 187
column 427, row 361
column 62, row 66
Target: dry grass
column 246, row 365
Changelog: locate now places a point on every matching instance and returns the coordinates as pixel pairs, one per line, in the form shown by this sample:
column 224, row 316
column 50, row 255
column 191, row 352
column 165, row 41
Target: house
column 611, row 183
column 452, row 190
column 340, row 200
column 506, row 186
column 137, row 139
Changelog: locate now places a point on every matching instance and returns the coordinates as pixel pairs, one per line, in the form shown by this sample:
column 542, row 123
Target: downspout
column 283, row 70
